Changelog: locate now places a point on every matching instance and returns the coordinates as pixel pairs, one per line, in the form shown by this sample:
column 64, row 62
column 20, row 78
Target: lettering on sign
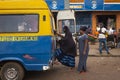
column 76, row 6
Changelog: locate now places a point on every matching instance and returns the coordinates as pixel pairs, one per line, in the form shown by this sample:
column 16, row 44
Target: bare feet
column 82, row 72
column 72, row 68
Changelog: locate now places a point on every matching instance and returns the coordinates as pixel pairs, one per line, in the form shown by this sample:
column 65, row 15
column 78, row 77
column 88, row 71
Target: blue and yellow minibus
column 27, row 41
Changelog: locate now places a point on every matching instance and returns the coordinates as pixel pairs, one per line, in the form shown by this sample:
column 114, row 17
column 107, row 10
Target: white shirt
column 103, row 30
column 110, row 31
column 101, row 36
column 98, row 29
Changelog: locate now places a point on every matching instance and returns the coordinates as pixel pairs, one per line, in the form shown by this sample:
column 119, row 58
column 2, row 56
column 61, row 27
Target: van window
column 69, row 23
column 19, row 23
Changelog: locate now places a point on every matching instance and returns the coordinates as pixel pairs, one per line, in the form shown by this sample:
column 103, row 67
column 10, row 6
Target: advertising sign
column 87, row 5
column 55, row 4
column 77, row 6
column 94, row 4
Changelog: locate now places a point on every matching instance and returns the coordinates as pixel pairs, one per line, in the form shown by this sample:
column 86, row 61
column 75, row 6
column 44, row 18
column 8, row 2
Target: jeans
column 102, row 42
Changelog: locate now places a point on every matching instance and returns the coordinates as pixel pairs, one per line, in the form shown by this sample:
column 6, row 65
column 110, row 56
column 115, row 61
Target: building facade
column 91, row 12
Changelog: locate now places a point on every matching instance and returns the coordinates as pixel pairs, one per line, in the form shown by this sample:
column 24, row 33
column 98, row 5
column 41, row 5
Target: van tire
column 12, row 71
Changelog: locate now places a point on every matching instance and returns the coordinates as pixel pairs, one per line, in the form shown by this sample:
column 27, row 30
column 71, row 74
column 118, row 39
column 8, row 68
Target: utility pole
column 66, row 4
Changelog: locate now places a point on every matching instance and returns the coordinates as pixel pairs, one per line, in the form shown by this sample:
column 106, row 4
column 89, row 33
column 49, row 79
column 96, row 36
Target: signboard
column 77, row 6
column 111, row 1
column 55, row 4
column 94, row 4
column 87, row 5
column 111, row 7
column 76, row 1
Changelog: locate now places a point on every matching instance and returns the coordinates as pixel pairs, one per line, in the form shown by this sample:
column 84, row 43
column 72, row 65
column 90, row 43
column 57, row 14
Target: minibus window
column 19, row 23
column 44, row 18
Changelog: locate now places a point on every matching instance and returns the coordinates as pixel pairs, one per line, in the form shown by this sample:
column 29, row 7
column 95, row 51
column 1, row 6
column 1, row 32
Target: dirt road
column 99, row 68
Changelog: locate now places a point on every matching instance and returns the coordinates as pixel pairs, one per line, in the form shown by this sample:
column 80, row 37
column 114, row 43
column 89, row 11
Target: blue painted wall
column 83, row 19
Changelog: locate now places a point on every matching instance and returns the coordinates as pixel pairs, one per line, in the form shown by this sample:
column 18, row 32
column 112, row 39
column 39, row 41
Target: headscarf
column 68, row 34
column 67, row 43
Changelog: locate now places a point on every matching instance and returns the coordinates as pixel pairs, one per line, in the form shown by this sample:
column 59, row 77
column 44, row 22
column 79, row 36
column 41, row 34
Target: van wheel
column 12, row 71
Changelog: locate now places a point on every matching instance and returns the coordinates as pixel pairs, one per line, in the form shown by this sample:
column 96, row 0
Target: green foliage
column 92, row 39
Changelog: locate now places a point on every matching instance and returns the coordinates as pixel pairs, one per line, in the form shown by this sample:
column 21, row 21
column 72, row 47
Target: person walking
column 83, row 50
column 102, row 41
column 67, row 51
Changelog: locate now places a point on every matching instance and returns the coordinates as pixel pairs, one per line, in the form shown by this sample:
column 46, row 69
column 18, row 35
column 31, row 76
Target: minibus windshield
column 66, row 22
column 19, row 23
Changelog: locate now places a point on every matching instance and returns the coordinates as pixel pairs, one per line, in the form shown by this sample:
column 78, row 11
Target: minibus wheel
column 12, row 71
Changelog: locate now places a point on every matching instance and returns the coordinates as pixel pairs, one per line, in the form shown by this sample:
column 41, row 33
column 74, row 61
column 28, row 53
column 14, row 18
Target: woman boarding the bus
column 67, row 52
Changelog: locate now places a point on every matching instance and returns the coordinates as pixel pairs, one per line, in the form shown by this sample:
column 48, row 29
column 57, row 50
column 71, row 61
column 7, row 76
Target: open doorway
column 107, row 20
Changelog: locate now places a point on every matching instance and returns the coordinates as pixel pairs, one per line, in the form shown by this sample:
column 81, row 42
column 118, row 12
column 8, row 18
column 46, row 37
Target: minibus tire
column 12, row 71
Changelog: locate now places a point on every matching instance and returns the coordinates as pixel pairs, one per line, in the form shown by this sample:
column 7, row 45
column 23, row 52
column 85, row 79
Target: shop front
column 106, row 12
column 107, row 18
column 91, row 12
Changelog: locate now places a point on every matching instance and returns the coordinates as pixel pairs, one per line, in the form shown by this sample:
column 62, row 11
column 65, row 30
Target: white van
column 66, row 18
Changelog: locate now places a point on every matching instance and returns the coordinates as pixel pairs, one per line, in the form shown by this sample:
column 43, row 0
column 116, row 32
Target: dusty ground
column 99, row 68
